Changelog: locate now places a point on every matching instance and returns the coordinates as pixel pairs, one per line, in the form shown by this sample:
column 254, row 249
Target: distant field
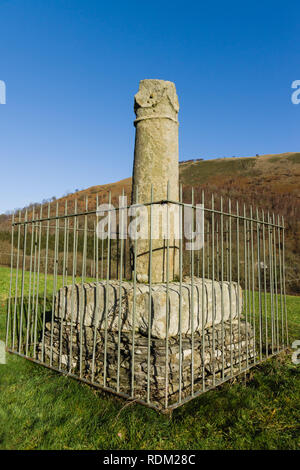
column 40, row 409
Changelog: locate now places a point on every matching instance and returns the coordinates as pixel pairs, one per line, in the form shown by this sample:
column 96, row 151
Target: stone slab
column 88, row 303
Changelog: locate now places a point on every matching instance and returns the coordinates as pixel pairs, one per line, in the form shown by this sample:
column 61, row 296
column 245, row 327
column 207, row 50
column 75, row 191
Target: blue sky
column 72, row 67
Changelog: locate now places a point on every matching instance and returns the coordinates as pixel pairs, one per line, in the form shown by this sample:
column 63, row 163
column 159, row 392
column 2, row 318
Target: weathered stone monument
column 156, row 164
column 111, row 326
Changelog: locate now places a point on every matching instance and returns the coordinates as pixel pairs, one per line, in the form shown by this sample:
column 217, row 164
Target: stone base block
column 206, row 302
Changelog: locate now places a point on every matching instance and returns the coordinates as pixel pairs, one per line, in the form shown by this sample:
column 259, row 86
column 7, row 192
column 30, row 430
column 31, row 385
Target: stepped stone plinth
column 85, row 324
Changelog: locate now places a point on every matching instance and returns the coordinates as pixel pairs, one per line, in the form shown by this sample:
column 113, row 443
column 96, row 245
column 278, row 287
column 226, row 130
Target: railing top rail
column 233, row 215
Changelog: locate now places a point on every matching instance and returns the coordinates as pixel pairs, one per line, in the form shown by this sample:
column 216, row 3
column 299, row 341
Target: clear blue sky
column 72, row 67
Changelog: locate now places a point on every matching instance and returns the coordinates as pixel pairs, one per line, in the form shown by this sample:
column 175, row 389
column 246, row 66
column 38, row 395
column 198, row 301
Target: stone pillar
column 156, row 163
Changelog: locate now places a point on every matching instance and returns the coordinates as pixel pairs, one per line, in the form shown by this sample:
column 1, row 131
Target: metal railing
column 75, row 304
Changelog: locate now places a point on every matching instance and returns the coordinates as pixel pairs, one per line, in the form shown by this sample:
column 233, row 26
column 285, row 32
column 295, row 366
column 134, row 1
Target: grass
column 40, row 409
column 199, row 172
column 294, row 158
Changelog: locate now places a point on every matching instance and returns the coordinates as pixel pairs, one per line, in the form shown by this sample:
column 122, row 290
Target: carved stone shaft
column 156, row 163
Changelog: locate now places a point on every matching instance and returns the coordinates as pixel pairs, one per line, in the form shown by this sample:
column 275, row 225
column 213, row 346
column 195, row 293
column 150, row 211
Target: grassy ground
column 40, row 409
